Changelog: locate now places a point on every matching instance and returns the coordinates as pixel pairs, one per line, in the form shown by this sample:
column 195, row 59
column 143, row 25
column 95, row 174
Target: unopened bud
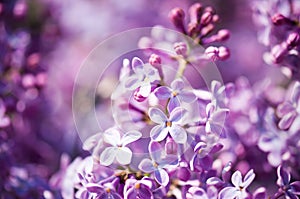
column 206, row 18
column 155, row 61
column 215, row 53
column 171, row 146
column 176, row 16
column 195, row 12
column 278, row 52
column 180, row 48
column 223, row 35
column 279, row 19
column 293, row 40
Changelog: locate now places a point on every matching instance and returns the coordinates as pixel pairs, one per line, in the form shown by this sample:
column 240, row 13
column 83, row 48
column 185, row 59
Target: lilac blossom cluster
column 172, row 134
column 173, row 140
column 279, row 31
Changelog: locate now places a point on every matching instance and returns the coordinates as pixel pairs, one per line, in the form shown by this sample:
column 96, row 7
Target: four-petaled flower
column 157, row 165
column 118, row 149
column 240, row 186
column 176, row 94
column 134, row 189
column 291, row 190
column 168, row 125
column 107, row 191
column 144, row 75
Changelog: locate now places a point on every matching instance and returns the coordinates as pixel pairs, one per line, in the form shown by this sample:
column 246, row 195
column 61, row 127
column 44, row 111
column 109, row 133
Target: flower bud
column 155, row 61
column 171, row 146
column 278, row 52
column 183, row 173
column 177, row 18
column 180, row 48
column 195, row 12
column 279, row 19
column 293, row 40
column 223, row 35
column 206, row 18
column 215, row 53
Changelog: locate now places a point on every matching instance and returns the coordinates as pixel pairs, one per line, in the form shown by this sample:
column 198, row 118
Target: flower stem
column 181, row 68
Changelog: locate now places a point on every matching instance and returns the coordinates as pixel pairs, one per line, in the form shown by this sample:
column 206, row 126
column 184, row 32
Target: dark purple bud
column 278, row 52
column 278, row 20
column 223, row 35
column 206, row 18
column 207, row 29
column 195, row 12
column 193, row 29
column 180, row 48
column 293, row 40
column 177, row 18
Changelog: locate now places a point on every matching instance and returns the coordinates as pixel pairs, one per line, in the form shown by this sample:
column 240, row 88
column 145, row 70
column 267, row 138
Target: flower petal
column 173, row 103
column 130, row 137
column 284, row 108
column 295, row 187
column 163, row 92
column 236, row 179
column 145, row 89
column 132, row 82
column 177, row 84
column 155, row 149
column 177, row 114
column 159, row 133
column 287, row 120
column 112, row 136
column 248, row 178
column 108, row 155
column 162, row 177
column 137, row 65
column 228, row 193
column 146, row 165
column 284, row 177
column 144, row 192
column 94, row 188
column 187, row 96
column 157, row 116
column 130, row 194
column 124, row 155
column 92, row 141
column 178, row 134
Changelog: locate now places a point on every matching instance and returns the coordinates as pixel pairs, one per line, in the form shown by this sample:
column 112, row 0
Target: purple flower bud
column 193, row 29
column 170, row 146
column 278, row 52
column 176, row 16
column 215, row 53
column 278, row 20
column 180, row 48
column 206, row 18
column 223, row 35
column 293, row 40
column 155, row 60
column 195, row 12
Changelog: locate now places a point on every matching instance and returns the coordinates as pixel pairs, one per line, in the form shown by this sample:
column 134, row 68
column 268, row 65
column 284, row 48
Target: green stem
column 181, row 68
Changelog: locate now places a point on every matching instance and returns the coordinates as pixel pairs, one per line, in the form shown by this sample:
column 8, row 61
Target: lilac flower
column 289, row 110
column 240, row 186
column 144, row 75
column 107, row 191
column 118, row 150
column 201, row 160
column 169, row 125
column 215, row 119
column 176, row 94
column 199, row 193
column 291, row 190
column 156, row 164
column 138, row 188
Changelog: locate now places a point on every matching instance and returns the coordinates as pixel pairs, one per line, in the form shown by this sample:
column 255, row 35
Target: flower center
column 108, row 190
column 174, row 93
column 168, row 123
column 137, row 185
column 146, row 79
column 155, row 164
